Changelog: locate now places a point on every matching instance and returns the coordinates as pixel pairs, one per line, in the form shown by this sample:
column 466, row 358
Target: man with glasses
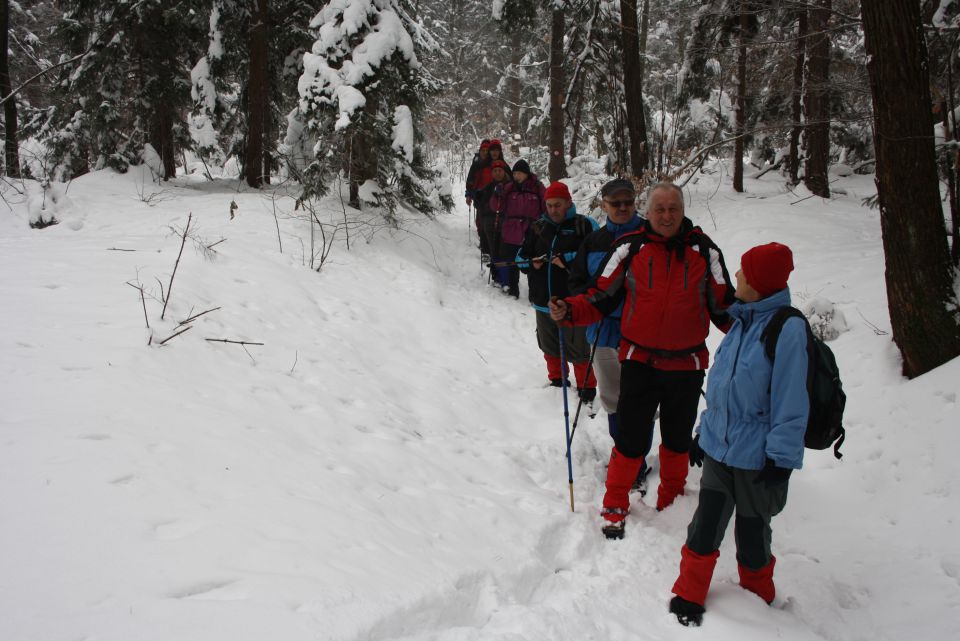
column 671, row 281
column 618, row 202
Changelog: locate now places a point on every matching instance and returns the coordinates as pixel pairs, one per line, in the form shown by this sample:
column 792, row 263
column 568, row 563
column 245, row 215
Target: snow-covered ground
column 389, row 464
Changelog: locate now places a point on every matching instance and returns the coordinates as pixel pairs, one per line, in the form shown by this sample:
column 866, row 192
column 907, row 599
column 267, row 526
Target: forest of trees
column 324, row 91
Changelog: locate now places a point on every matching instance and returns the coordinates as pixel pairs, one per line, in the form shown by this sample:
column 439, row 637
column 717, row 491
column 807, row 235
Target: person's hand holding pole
column 559, row 310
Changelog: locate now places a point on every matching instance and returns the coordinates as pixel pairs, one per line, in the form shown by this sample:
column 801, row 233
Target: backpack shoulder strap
column 771, row 333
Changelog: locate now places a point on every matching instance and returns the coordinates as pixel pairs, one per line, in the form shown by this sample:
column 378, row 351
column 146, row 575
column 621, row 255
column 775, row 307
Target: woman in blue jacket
column 750, row 437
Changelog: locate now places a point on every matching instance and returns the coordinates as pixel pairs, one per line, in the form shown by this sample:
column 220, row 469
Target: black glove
column 772, row 476
column 696, row 452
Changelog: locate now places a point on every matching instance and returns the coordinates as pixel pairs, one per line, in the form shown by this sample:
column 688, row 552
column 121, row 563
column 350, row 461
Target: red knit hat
column 766, row 267
column 557, row 190
column 484, row 144
column 496, row 143
column 500, row 163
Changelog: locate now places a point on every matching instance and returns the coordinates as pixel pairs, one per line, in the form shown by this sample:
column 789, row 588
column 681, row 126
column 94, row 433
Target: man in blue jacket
column 618, row 201
column 750, row 437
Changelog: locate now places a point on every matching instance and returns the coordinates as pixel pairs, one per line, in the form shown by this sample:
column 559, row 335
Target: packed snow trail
column 389, row 464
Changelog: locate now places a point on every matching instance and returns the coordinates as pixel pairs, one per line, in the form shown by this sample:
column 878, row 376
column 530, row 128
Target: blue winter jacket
column 757, row 410
column 588, row 263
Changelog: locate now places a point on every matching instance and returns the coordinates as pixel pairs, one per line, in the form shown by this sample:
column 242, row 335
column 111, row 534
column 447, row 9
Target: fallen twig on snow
column 227, row 340
column 196, row 316
column 172, row 336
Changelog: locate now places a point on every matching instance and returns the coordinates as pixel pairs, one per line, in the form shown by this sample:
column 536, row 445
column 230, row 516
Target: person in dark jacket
column 480, row 159
column 487, row 215
column 750, row 436
column 618, row 201
column 549, row 247
column 672, row 282
column 520, row 203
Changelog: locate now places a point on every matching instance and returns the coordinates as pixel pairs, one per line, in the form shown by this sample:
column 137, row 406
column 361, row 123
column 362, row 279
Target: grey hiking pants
column 723, row 490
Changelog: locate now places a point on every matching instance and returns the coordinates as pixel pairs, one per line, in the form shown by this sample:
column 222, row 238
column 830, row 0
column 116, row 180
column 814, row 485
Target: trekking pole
column 593, row 351
column 566, row 413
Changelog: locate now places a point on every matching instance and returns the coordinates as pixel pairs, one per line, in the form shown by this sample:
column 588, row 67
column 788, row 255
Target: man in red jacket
column 672, row 281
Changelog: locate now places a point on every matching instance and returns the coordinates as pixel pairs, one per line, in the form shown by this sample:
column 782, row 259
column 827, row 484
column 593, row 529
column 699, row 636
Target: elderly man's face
column 557, row 208
column 619, row 206
column 665, row 211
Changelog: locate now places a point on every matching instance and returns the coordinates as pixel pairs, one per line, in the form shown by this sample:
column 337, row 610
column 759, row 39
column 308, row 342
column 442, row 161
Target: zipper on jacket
column 686, row 267
column 650, row 272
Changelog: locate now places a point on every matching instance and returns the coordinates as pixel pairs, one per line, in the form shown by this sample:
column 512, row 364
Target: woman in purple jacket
column 519, row 205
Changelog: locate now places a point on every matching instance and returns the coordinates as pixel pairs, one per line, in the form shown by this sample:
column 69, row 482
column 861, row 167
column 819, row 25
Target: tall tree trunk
column 513, row 86
column 268, row 136
column 793, row 168
column 577, row 118
column 256, row 95
column 161, row 137
column 920, row 278
column 633, row 87
column 10, row 143
column 558, row 165
column 741, row 124
column 816, row 132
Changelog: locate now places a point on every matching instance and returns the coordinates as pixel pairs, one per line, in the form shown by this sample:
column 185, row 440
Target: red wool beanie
column 766, row 267
column 499, row 163
column 557, row 190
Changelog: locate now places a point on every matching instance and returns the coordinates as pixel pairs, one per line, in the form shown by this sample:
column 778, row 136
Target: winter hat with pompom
column 557, row 190
column 766, row 267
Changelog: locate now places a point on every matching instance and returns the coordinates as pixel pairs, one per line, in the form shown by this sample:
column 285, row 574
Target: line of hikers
column 640, row 293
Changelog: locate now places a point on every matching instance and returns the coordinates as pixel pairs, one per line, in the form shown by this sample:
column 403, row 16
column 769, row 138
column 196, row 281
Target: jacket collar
column 570, row 215
column 747, row 311
column 631, row 225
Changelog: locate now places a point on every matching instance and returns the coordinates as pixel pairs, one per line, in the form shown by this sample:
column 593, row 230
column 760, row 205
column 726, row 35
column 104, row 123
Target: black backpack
column 827, row 399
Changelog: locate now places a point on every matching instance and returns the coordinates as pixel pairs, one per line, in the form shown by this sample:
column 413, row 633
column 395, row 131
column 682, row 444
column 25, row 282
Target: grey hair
column 665, row 184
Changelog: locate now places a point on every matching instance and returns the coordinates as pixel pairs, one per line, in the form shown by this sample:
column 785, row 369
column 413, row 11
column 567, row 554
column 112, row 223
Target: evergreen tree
column 129, row 87
column 245, row 84
column 362, row 94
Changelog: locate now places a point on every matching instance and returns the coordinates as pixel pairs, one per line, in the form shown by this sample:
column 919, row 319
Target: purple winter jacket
column 518, row 206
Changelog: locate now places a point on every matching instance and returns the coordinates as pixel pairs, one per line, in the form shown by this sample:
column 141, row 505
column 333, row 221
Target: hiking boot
column 514, row 291
column 688, row 613
column 614, row 522
column 558, row 382
column 587, row 394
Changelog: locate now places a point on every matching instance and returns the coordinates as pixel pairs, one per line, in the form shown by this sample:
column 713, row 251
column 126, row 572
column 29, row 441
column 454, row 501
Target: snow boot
column 554, row 371
column 558, row 382
column 688, row 613
column 696, row 572
column 580, row 370
column 760, row 582
column 621, row 471
column 673, row 476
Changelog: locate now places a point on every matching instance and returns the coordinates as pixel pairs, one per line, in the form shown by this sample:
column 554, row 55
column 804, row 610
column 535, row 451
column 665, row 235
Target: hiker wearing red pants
column 672, row 282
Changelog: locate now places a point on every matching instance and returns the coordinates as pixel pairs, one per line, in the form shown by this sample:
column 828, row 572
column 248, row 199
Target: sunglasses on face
column 620, row 203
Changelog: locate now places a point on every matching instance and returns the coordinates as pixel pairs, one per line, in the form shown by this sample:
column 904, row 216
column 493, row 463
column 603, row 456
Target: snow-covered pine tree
column 129, row 87
column 362, row 93
column 263, row 40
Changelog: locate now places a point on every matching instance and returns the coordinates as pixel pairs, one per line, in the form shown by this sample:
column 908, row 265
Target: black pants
column 508, row 253
column 724, row 489
column 643, row 389
column 487, row 225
